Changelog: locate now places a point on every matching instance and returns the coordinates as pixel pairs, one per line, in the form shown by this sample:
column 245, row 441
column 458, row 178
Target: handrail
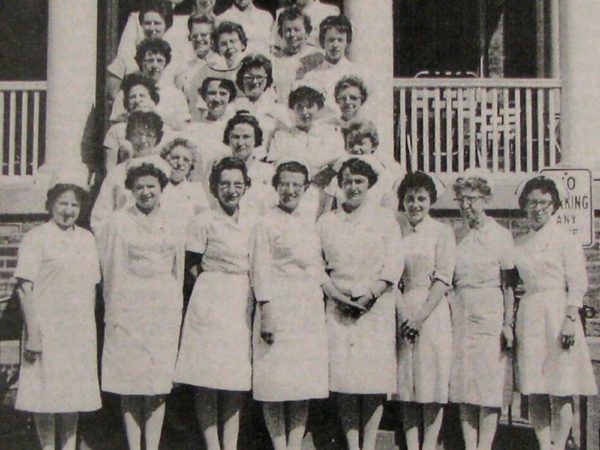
column 23, row 85
column 477, row 82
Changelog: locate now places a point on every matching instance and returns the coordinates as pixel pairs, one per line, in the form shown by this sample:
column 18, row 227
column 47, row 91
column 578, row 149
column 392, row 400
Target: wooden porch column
column 540, row 38
column 373, row 48
column 554, row 39
column 72, row 36
column 580, row 95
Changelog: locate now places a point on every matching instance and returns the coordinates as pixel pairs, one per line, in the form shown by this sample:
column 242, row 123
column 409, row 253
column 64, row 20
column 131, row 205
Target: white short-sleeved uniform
column 113, row 195
column 287, row 271
column 552, row 267
column 319, row 147
column 216, row 345
column 171, row 107
column 63, row 267
column 424, row 366
column 143, row 280
column 116, row 137
column 257, row 24
column 361, row 248
column 479, row 362
column 288, row 68
column 316, row 11
column 176, row 36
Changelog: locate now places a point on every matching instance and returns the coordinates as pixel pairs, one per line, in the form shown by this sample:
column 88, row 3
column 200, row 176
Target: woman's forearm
column 509, row 304
column 25, row 294
column 436, row 292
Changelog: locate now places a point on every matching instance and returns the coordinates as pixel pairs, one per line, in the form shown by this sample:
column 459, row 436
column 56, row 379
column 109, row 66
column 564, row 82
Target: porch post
column 554, row 39
column 540, row 38
column 580, row 95
column 373, row 48
column 72, row 35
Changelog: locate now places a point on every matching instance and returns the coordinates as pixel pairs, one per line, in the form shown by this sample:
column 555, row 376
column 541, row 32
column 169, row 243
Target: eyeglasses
column 469, row 200
column 155, row 59
column 348, row 98
column 255, row 78
column 535, row 204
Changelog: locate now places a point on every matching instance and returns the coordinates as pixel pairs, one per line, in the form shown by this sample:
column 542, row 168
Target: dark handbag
column 11, row 319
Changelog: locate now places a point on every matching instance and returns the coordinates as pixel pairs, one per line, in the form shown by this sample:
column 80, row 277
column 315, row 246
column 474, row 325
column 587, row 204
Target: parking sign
column 577, row 211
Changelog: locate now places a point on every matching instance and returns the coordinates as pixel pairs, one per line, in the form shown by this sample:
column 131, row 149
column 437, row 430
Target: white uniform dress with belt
column 287, row 271
column 479, row 362
column 63, row 267
column 552, row 266
column 361, row 248
column 141, row 266
column 216, row 341
column 424, row 366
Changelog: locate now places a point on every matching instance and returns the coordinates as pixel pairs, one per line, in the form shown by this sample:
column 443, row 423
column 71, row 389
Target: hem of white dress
column 214, row 386
column 77, row 409
column 581, row 393
column 260, row 398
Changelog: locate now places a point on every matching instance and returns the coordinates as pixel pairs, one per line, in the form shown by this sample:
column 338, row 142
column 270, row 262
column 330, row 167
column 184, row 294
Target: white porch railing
column 448, row 125
column 22, row 130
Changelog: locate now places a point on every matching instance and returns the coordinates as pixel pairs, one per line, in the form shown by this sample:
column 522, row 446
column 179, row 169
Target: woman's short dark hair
column 293, row 13
column 161, row 7
column 340, row 23
column 228, row 27
column 290, row 166
column 223, row 83
column 308, row 94
column 472, row 182
column 357, row 166
column 252, row 62
column 154, row 46
column 58, row 189
column 247, row 118
column 351, row 81
column 358, row 130
column 416, row 180
column 144, row 119
column 199, row 19
column 145, row 170
column 138, row 79
column 546, row 186
column 227, row 163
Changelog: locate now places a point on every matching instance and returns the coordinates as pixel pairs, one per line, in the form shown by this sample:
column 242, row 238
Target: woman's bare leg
column 488, row 423
column 539, row 414
column 411, row 418
column 274, row 413
column 349, row 412
column 232, row 403
column 45, row 425
column 207, row 413
column 372, row 411
column 132, row 409
column 432, row 422
column 297, row 417
column 564, row 407
column 154, row 414
column 67, row 430
column 469, row 417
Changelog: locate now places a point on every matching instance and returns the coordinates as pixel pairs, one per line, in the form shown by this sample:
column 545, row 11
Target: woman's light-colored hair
column 180, row 142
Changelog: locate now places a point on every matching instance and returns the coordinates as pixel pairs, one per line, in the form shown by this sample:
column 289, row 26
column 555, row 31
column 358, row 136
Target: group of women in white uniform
column 361, row 304
column 308, row 282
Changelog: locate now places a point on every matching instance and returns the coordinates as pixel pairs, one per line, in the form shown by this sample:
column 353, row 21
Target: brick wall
column 12, row 230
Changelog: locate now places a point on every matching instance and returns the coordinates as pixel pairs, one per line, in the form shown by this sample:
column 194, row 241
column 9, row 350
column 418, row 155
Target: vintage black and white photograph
column 299, row 225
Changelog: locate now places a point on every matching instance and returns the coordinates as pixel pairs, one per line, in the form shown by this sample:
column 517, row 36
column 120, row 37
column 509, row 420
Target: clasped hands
column 351, row 303
column 409, row 328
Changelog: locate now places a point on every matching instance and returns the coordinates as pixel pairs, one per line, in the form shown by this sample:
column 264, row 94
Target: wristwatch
column 571, row 317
